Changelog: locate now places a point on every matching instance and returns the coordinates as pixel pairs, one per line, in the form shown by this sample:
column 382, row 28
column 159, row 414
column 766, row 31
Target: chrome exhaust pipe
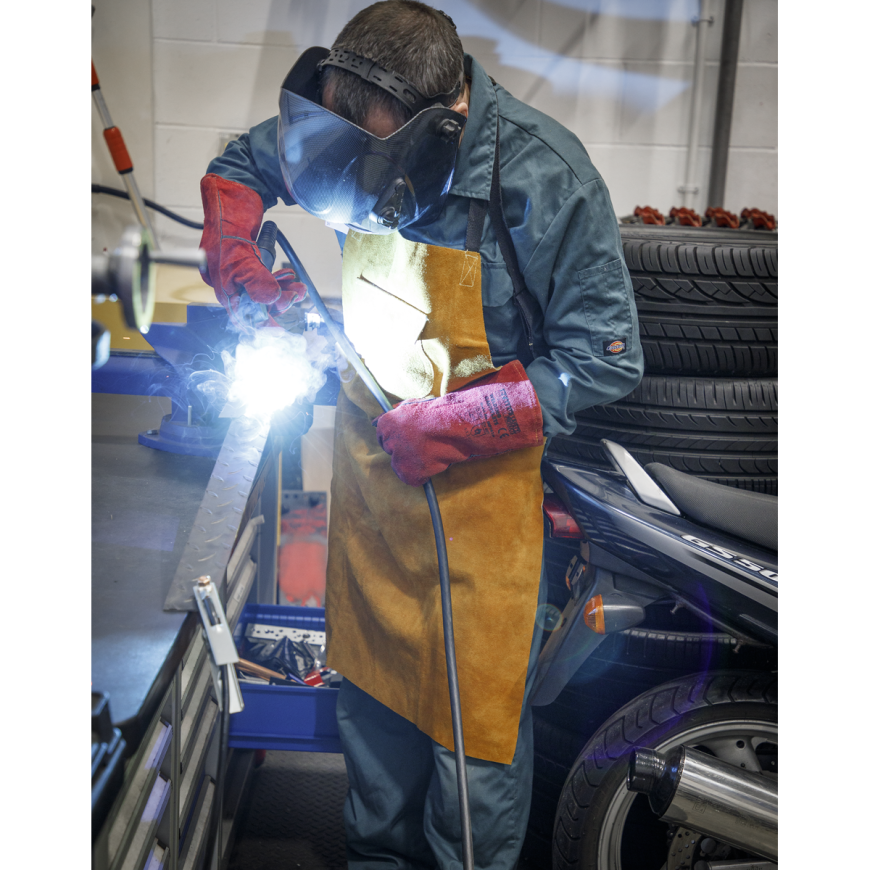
column 699, row 792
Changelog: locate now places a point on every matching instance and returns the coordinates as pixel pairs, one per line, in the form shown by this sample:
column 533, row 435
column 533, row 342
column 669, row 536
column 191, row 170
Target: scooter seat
column 739, row 512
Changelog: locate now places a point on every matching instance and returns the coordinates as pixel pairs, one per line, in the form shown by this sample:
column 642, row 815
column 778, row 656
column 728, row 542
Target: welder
column 483, row 283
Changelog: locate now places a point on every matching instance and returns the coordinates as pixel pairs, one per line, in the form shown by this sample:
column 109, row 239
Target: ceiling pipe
column 724, row 102
column 690, row 187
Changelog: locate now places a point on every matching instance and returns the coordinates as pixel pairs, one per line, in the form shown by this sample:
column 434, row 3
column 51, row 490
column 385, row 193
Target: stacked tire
column 707, row 309
column 707, row 405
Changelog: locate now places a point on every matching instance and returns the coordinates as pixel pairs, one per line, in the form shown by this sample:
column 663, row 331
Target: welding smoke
column 272, row 368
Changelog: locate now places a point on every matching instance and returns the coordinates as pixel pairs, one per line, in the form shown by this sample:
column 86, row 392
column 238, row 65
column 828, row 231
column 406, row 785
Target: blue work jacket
column 562, row 226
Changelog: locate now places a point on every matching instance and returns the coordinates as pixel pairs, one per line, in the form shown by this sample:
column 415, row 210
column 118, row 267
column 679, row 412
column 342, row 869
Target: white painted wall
column 121, row 50
column 177, row 74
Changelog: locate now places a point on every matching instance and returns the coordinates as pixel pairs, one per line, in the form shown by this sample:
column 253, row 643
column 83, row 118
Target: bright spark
column 271, row 371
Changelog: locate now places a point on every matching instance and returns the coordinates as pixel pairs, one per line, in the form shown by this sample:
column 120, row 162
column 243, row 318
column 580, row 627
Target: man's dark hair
column 406, row 37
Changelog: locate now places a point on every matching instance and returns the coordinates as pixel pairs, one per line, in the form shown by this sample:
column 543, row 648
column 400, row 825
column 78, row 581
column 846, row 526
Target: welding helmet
column 346, row 175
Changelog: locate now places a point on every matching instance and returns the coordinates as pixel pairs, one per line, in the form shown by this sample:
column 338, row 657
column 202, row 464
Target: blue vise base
column 180, row 349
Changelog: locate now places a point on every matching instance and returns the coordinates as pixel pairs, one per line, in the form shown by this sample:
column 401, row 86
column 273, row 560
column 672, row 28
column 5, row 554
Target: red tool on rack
column 685, row 217
column 758, row 219
column 649, row 215
column 721, row 218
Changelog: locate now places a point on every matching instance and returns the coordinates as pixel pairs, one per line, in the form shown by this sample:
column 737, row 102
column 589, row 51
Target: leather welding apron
column 414, row 313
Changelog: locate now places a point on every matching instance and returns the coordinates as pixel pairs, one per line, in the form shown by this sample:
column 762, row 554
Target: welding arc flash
column 269, row 376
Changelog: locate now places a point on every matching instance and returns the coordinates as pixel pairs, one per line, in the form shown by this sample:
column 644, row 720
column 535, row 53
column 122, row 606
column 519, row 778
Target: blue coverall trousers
column 402, row 807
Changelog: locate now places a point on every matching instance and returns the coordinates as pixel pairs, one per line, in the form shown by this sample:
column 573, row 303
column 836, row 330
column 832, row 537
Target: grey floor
column 293, row 820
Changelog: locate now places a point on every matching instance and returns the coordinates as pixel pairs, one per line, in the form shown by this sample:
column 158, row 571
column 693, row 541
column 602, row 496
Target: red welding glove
column 232, row 217
column 495, row 414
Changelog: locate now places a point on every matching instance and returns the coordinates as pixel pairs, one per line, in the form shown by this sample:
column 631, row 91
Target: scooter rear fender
column 574, row 641
column 716, row 574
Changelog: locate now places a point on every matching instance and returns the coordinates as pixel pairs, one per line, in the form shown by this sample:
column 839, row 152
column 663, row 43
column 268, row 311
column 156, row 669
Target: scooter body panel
column 715, row 572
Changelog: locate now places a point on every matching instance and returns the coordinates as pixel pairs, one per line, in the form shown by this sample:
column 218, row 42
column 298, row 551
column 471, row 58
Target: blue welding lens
column 346, row 175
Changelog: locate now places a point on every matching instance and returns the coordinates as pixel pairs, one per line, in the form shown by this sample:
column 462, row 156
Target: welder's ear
column 461, row 105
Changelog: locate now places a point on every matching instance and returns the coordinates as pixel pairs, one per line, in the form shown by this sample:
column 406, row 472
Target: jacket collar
column 472, row 176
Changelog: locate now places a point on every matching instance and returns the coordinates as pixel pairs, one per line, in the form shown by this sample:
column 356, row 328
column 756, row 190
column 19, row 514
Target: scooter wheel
column 600, row 825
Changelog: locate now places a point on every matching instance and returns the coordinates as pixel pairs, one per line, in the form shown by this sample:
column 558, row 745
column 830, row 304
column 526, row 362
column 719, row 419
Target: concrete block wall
column 180, row 77
column 122, row 54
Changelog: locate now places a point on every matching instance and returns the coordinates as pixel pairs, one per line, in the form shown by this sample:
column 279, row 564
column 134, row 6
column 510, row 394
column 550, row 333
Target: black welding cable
column 122, row 194
column 440, row 548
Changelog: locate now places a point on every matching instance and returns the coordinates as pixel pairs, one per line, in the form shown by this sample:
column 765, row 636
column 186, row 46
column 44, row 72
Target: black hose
column 452, row 677
column 440, row 548
column 122, row 194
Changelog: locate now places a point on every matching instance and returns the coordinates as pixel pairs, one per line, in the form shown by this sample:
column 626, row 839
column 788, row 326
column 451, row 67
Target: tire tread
column 634, row 725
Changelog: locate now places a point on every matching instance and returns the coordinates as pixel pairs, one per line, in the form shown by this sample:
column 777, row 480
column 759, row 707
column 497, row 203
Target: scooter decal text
column 737, row 560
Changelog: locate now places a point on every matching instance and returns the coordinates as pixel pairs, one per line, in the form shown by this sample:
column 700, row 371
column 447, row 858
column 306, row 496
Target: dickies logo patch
column 614, row 347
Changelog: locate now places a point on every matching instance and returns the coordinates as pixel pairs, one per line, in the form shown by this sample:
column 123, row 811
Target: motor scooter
column 682, row 776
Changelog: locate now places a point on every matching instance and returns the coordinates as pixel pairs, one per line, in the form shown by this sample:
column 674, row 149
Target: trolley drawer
column 301, row 719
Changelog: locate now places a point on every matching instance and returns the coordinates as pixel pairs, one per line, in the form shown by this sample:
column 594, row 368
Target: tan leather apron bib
column 414, row 312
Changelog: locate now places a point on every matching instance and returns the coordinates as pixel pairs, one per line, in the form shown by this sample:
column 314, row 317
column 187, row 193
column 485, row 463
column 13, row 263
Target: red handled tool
column 121, row 157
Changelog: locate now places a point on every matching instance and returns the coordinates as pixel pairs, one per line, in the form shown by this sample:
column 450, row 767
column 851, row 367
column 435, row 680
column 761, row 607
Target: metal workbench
column 153, row 665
